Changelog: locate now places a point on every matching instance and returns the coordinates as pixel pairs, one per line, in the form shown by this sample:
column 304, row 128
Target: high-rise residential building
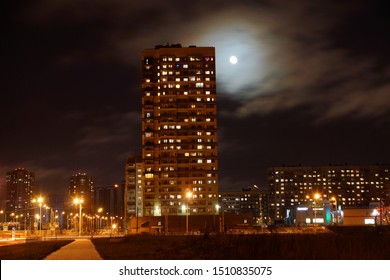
column 110, row 200
column 133, row 187
column 82, row 186
column 20, row 185
column 344, row 186
column 179, row 131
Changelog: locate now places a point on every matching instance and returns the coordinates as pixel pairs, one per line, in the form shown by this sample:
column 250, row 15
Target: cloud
column 111, row 130
column 289, row 60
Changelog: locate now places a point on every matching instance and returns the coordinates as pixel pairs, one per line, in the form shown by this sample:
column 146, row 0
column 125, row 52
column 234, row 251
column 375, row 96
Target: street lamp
column 260, row 208
column 316, row 197
column 79, row 201
column 336, row 212
column 217, row 210
column 187, row 208
column 39, row 200
column 100, row 210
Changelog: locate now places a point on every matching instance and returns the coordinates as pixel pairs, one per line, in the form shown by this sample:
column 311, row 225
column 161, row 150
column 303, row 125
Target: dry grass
column 267, row 246
column 31, row 251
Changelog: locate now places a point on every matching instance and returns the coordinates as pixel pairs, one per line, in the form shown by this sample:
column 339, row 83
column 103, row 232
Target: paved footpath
column 80, row 249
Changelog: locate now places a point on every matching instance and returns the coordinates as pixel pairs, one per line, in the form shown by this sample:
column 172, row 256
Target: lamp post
column 79, row 201
column 100, row 210
column 187, row 208
column 39, row 200
column 336, row 212
column 260, row 208
column 316, row 197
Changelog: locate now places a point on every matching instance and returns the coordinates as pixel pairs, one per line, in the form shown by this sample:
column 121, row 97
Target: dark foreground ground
column 31, row 250
column 262, row 246
column 325, row 246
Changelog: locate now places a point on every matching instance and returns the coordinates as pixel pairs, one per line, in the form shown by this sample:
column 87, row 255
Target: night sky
column 311, row 86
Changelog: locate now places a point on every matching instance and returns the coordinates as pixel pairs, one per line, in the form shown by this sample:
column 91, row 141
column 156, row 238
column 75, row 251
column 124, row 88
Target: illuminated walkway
column 80, row 249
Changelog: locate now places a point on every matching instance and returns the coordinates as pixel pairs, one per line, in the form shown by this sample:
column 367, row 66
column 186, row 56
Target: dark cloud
column 310, row 75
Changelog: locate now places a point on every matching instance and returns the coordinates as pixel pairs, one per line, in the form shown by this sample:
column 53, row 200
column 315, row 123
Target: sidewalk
column 80, row 249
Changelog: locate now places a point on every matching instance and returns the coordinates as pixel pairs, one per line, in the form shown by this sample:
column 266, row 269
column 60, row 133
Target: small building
column 373, row 215
column 314, row 214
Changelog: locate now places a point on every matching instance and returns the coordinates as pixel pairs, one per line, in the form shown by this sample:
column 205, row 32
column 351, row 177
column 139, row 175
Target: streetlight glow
column 316, row 197
column 189, row 195
column 39, row 200
column 79, row 201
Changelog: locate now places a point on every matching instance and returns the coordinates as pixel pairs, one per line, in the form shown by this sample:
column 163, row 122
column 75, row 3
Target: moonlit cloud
column 286, row 55
column 72, row 81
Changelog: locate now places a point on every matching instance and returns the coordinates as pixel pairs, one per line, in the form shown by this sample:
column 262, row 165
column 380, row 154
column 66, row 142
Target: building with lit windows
column 247, row 201
column 133, row 188
column 344, row 186
column 20, row 185
column 111, row 200
column 82, row 186
column 179, row 131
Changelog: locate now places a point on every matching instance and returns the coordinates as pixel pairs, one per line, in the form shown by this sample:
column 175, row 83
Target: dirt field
column 262, row 246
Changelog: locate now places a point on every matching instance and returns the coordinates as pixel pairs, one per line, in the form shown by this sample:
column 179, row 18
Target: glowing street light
column 39, row 200
column 336, row 212
column 260, row 208
column 100, row 210
column 79, row 201
column 187, row 208
column 316, row 197
column 3, row 212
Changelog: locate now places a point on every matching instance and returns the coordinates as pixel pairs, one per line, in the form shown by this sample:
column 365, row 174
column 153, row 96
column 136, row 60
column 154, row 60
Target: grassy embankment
column 267, row 246
column 31, row 250
column 219, row 247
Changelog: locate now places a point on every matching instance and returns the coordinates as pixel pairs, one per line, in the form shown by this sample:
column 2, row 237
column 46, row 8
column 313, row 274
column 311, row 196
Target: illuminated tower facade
column 82, row 186
column 134, row 187
column 20, row 185
column 179, row 131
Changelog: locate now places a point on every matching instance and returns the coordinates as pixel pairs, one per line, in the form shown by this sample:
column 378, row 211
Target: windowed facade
column 20, row 186
column 179, row 130
column 82, row 186
column 346, row 186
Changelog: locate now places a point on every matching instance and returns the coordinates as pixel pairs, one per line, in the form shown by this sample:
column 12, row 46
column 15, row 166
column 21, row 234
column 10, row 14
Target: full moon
column 233, row 59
